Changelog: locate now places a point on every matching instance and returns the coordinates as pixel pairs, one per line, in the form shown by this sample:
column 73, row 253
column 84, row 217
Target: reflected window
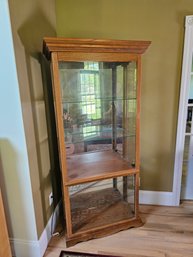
column 89, row 90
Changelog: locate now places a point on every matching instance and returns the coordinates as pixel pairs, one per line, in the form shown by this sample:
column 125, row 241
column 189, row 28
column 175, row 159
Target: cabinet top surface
column 51, row 44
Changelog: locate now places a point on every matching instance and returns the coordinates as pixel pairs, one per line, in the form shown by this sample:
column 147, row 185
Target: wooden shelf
column 71, row 101
column 99, row 208
column 93, row 166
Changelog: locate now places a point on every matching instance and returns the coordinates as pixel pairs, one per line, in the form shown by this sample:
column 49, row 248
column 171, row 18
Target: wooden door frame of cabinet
column 137, row 153
column 96, row 57
column 59, row 125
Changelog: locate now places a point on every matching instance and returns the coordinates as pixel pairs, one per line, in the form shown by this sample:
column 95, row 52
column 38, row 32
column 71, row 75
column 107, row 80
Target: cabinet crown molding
column 58, row 44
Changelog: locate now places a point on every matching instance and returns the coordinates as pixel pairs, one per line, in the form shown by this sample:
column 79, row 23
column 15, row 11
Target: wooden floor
column 168, row 232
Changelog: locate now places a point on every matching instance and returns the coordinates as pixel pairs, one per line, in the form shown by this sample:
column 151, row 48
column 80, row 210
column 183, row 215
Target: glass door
column 99, row 104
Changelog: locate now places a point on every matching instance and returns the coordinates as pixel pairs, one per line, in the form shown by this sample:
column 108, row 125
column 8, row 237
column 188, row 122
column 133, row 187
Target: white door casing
column 182, row 114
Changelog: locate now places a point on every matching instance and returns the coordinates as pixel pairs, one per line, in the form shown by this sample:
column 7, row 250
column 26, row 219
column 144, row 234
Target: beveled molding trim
column 81, row 45
column 189, row 20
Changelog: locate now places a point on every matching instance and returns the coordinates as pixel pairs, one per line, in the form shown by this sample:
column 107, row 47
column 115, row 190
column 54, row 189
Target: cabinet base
column 101, row 232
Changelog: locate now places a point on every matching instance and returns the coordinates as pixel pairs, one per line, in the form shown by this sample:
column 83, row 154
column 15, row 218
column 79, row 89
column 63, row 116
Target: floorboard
column 167, row 232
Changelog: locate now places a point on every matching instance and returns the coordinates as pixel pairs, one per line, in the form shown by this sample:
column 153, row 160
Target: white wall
column 24, row 157
column 14, row 166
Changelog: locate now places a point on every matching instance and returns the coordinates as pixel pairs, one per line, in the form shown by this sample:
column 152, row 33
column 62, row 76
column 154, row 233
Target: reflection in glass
column 102, row 203
column 99, row 107
column 189, row 119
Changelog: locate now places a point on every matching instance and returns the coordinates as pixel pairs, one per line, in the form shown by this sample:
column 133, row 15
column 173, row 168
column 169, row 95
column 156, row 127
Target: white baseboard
column 24, row 248
column 49, row 229
column 156, row 198
column 29, row 248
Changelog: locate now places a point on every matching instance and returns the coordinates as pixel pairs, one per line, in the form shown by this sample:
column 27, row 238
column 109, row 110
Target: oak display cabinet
column 96, row 88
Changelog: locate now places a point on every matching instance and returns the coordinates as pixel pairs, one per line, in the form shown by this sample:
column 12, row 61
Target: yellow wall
column 162, row 22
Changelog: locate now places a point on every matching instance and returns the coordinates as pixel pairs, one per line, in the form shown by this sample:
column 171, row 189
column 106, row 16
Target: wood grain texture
column 96, row 57
column 137, row 154
column 93, row 45
column 95, row 166
column 107, row 230
column 167, row 232
column 89, row 167
column 98, row 209
column 60, row 132
column 5, row 250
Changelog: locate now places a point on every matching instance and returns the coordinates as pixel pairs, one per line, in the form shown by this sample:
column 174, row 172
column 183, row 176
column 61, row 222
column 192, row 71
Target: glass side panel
column 99, row 107
column 102, row 203
column 189, row 119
